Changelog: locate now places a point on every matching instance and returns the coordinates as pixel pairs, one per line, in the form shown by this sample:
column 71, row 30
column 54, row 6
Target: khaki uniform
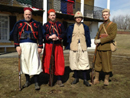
column 78, row 50
column 103, row 57
column 78, row 34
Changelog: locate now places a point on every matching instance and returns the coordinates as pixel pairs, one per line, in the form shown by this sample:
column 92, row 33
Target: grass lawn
column 119, row 83
column 123, row 44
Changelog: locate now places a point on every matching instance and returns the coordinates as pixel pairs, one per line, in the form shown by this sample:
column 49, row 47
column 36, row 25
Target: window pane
column 0, row 34
column 3, row 27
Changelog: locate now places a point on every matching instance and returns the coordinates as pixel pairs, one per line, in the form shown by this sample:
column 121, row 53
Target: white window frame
column 7, row 29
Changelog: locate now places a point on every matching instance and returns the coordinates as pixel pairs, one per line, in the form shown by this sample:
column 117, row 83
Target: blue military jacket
column 36, row 30
column 49, row 31
column 69, row 32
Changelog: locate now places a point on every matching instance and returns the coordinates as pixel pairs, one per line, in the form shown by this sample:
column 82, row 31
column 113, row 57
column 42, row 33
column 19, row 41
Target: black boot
column 76, row 80
column 37, row 87
column 27, row 81
column 86, row 83
column 26, row 84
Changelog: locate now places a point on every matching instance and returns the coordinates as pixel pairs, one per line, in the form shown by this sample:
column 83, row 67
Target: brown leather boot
column 96, row 80
column 106, row 80
column 59, row 82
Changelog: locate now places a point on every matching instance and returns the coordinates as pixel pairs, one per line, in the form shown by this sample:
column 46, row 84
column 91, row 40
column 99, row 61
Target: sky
column 117, row 7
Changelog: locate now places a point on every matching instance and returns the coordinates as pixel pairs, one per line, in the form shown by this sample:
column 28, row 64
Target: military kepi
column 106, row 10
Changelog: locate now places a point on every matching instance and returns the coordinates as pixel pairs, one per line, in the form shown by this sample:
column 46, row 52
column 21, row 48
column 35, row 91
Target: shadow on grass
column 88, row 75
column 44, row 78
column 80, row 74
column 102, row 75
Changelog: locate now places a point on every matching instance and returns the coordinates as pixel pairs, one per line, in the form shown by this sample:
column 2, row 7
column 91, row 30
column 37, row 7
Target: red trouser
column 58, row 56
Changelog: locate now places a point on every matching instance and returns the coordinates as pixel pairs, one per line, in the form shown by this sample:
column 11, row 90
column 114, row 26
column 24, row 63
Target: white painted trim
column 82, row 8
column 5, row 46
column 108, row 4
column 45, row 11
column 5, row 41
column 1, row 46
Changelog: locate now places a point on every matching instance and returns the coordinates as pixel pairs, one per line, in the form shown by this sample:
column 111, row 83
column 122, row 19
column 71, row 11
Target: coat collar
column 74, row 23
column 52, row 23
column 106, row 22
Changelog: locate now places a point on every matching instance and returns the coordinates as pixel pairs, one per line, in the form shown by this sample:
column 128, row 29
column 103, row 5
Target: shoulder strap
column 106, row 27
column 29, row 26
column 109, row 24
column 100, row 28
column 54, row 29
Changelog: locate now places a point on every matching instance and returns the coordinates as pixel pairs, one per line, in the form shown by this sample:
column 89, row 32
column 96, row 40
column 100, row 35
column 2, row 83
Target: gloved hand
column 97, row 41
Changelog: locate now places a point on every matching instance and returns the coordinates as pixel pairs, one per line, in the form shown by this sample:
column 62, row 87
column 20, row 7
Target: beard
column 53, row 19
column 27, row 19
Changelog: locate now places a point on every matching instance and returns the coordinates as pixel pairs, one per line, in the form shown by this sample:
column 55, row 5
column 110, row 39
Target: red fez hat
column 51, row 10
column 27, row 8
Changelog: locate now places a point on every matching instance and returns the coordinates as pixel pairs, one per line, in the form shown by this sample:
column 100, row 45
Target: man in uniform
column 103, row 56
column 78, row 39
column 26, row 33
column 54, row 31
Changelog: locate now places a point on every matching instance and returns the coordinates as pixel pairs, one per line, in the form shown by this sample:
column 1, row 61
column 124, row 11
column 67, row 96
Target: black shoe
column 26, row 84
column 86, row 83
column 75, row 81
column 37, row 87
